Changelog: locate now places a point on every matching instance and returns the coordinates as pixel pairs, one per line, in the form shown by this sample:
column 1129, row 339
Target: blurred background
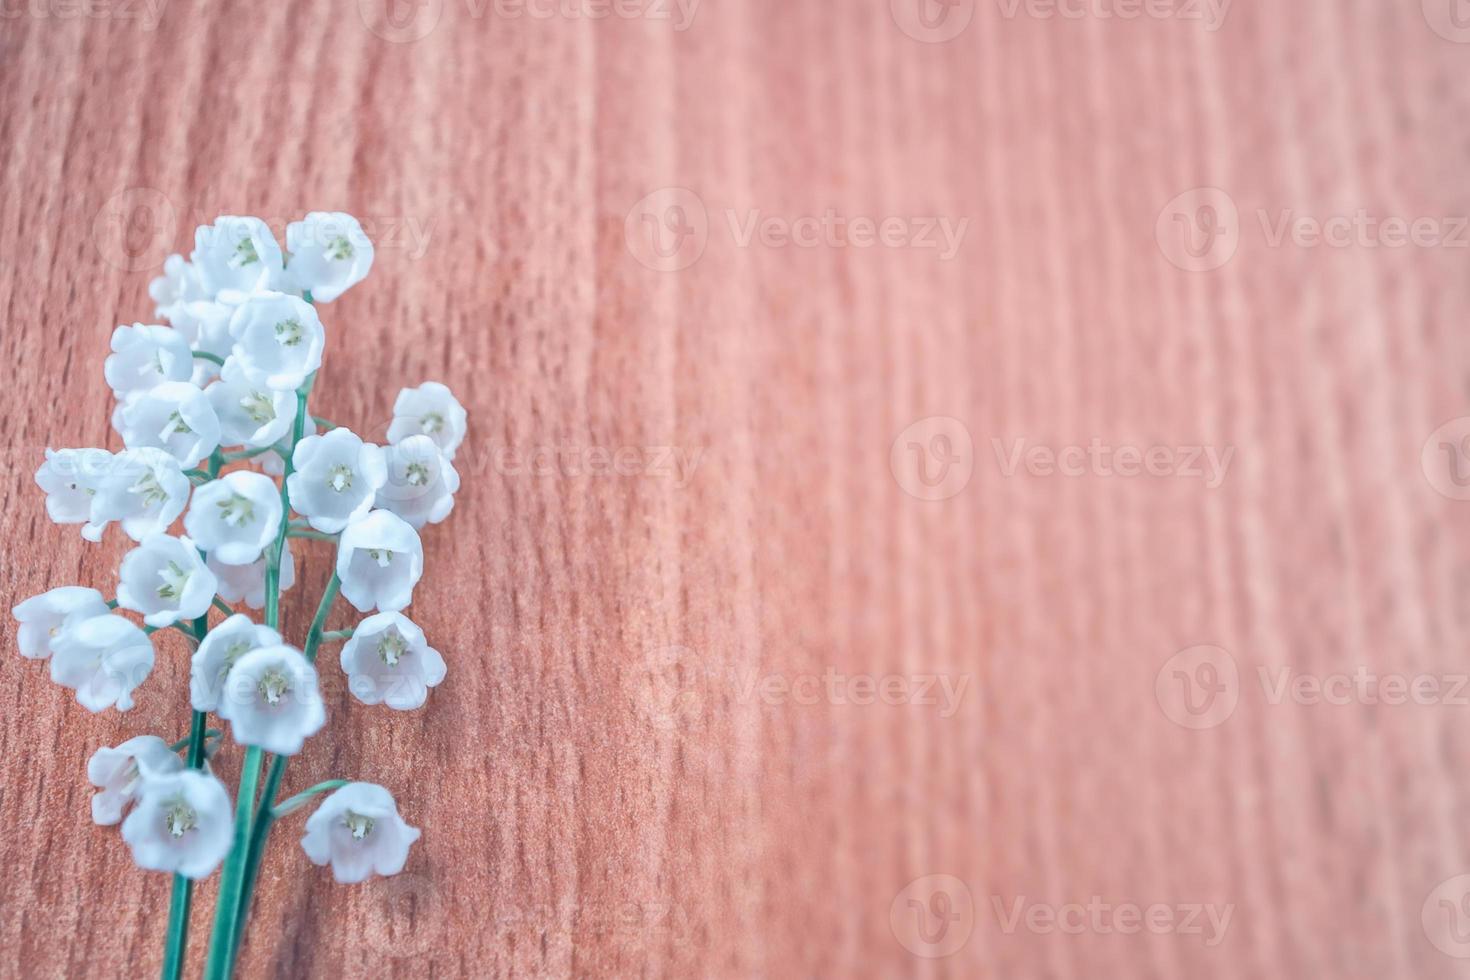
column 954, row 488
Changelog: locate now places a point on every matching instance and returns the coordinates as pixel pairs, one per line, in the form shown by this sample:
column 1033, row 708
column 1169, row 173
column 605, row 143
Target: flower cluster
column 212, row 412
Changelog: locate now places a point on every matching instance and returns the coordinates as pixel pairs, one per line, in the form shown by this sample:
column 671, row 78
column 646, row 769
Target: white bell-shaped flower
column 247, row 582
column 103, row 659
column 278, row 340
column 183, row 823
column 165, row 579
column 176, row 417
column 235, row 517
column 178, row 284
column 379, row 560
column 225, row 644
column 334, row 479
column 118, row 773
column 359, row 831
column 206, row 325
column 236, row 253
column 70, row 478
column 432, row 410
column 329, row 252
column 43, row 617
column 270, row 699
column 387, row 661
column 249, row 414
column 145, row 355
column 145, row 489
column 421, row 482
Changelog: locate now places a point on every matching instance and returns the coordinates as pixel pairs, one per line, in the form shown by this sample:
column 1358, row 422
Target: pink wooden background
column 609, row 781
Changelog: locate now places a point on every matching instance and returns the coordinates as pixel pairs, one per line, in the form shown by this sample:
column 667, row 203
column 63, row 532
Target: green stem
column 286, row 806
column 327, row 425
column 265, row 814
column 311, row 535
column 204, row 355
column 223, row 606
column 248, row 453
column 230, row 907
column 337, row 635
column 177, row 937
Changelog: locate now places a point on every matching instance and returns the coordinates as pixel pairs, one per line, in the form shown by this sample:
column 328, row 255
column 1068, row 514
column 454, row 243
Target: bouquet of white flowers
column 226, row 387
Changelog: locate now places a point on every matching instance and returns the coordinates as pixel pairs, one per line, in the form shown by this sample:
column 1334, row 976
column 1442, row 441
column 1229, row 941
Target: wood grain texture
column 603, row 791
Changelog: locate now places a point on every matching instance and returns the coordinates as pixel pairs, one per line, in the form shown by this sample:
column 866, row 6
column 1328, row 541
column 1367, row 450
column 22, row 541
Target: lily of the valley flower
column 165, row 579
column 278, row 340
column 178, row 284
column 249, row 414
column 43, row 617
column 359, row 831
column 103, row 659
column 175, row 416
column 432, row 410
column 145, row 489
column 334, row 478
column 69, row 478
column 421, row 482
column 247, row 582
column 182, row 823
column 225, row 644
column 329, row 252
column 387, row 661
column 379, row 560
column 238, row 254
column 145, row 355
column 119, row 772
column 270, row 699
column 234, row 517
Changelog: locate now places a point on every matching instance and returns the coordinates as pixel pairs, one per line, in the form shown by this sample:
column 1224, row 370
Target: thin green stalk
column 248, row 453
column 229, row 907
column 177, row 937
column 286, row 806
column 265, row 814
column 205, row 355
column 311, row 535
